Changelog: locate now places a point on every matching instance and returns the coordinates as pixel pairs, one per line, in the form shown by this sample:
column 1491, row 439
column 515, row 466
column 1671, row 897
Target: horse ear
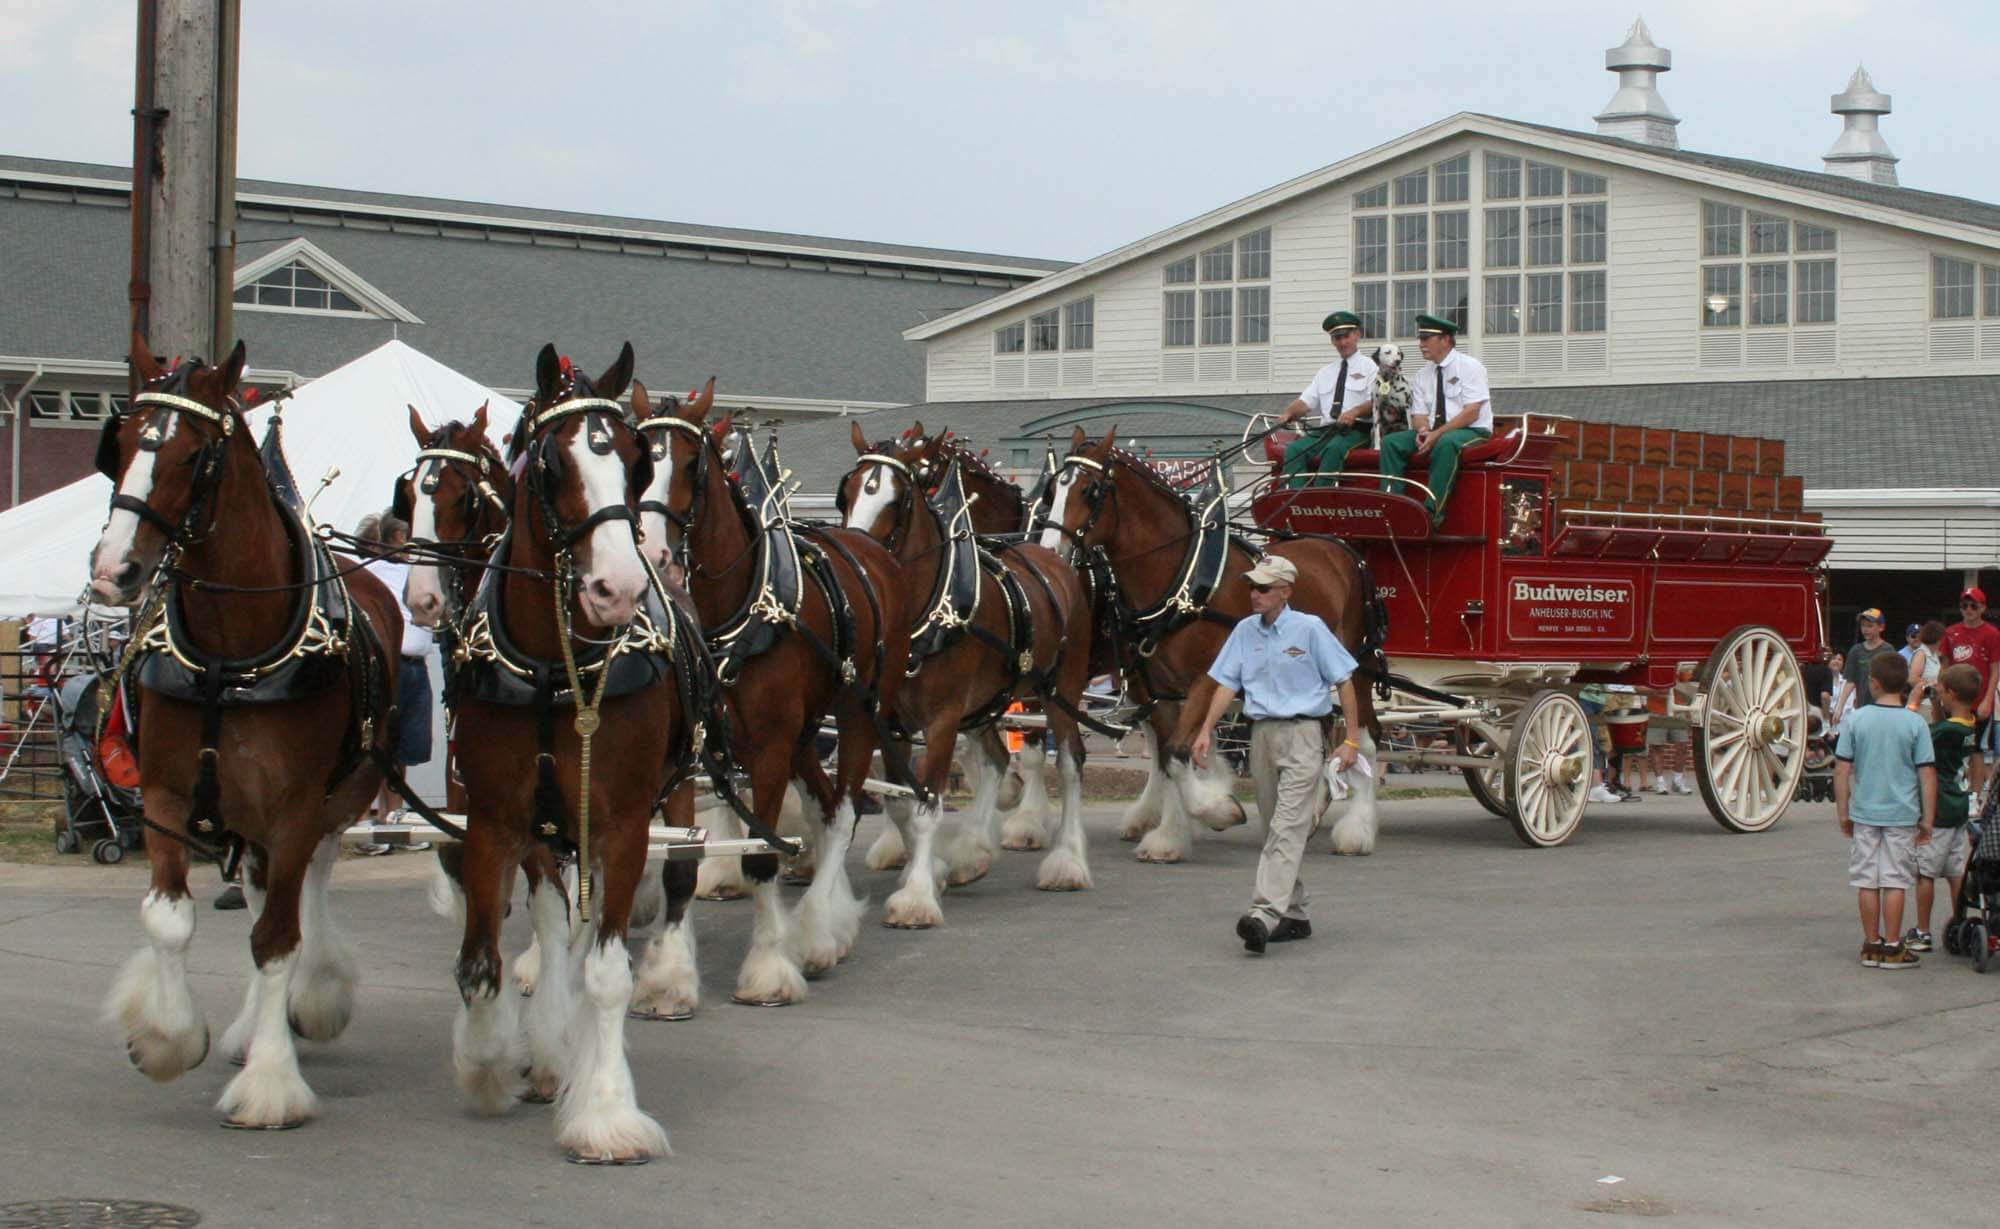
column 548, row 372
column 860, row 440
column 642, row 404
column 722, row 428
column 1110, row 439
column 917, row 428
column 616, row 376
column 702, row 403
column 143, row 363
column 1076, row 438
column 479, row 419
column 417, row 427
column 232, row 367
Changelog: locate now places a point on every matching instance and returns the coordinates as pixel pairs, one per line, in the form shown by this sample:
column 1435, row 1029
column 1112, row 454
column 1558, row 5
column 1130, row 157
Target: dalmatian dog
column 1392, row 391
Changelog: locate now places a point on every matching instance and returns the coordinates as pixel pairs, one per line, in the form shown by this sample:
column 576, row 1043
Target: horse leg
column 648, row 900
column 985, row 761
column 236, row 1038
column 598, row 1119
column 1027, row 823
column 1143, row 815
column 548, row 1012
column 150, row 1000
column 668, row 981
column 1355, row 833
column 322, row 994
column 486, row 1042
column 829, row 915
column 1206, row 794
column 1067, row 866
column 722, row 878
column 269, row 1092
column 914, row 906
column 802, row 819
column 892, row 848
column 769, row 976
column 443, row 891
column 540, row 867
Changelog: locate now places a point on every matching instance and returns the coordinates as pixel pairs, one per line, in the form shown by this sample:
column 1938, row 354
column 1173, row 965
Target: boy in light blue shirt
column 1885, row 797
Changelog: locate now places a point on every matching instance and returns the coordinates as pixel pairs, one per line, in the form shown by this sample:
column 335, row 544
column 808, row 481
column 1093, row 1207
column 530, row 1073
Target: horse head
column 164, row 456
column 584, row 468
column 672, row 432
column 456, row 495
column 1082, row 509
column 881, row 492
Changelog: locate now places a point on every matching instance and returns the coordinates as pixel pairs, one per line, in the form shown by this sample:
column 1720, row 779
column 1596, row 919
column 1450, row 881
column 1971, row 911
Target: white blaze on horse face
column 869, row 505
column 423, row 592
column 609, row 589
column 1052, row 537
column 658, row 546
column 115, row 546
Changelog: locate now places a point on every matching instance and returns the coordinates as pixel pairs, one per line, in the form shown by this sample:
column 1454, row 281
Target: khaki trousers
column 1287, row 759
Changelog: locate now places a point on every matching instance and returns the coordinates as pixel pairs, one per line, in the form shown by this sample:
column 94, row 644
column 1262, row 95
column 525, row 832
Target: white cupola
column 1637, row 112
column 1861, row 153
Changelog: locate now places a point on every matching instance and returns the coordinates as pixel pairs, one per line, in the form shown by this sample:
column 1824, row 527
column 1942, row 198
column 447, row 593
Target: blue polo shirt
column 1887, row 744
column 1286, row 669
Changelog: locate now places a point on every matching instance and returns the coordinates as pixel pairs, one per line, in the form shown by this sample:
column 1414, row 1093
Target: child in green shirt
column 1944, row 857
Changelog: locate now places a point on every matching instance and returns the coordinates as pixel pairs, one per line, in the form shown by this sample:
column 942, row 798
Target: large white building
column 1607, row 274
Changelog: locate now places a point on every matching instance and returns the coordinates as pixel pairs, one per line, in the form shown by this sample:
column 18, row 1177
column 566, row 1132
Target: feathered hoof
column 1063, row 871
column 627, row 1136
column 800, row 873
column 720, row 879
column 1353, row 840
column 1022, row 836
column 160, row 1057
column 725, row 891
column 908, row 910
column 888, row 852
column 970, row 871
column 1163, row 852
column 540, row 1089
column 321, row 1010
column 769, row 980
column 527, row 970
column 1135, row 827
column 271, row 1098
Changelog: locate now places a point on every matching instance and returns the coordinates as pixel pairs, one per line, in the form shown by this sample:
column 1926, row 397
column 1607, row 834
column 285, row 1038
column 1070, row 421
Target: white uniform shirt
column 1464, row 384
column 394, row 575
column 1322, row 403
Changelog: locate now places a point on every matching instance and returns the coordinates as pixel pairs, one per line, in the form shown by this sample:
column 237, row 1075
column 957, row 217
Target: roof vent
column 1637, row 112
column 1861, row 153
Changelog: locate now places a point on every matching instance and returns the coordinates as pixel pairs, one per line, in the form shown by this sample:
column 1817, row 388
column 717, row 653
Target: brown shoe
column 1896, row 956
column 1871, row 955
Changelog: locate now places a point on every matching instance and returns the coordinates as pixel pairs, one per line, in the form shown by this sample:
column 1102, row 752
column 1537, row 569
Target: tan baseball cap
column 1273, row 570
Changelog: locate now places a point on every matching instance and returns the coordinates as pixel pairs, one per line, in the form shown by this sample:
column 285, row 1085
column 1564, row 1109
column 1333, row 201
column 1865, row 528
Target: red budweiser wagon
column 1576, row 553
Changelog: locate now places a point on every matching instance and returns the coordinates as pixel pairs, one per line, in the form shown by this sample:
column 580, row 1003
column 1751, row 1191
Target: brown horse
column 237, row 585
column 965, row 684
column 458, row 498
column 569, row 619
column 829, row 641
column 1103, row 496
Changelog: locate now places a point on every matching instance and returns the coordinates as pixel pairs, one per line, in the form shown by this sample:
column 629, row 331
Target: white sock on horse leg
column 914, row 906
column 269, row 1091
column 769, row 974
column 597, row 1115
column 1067, row 866
column 323, row 981
column 150, row 1000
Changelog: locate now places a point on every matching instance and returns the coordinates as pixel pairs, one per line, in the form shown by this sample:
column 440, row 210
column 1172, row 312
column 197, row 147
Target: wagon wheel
column 1488, row 785
column 1750, row 744
column 1548, row 769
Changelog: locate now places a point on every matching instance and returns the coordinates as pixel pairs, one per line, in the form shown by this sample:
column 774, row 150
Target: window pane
column 1253, row 307
column 1581, row 184
column 1816, row 292
column 1454, row 243
column 1411, row 298
column 1079, row 324
column 1815, row 238
column 1951, row 281
column 116, row 405
column 86, row 407
column 1503, row 177
column 1376, row 197
column 306, row 279
column 1045, row 331
column 1545, row 302
column 274, row 296
column 1180, row 271
column 1503, row 238
column 1179, row 318
column 246, row 293
column 340, row 302
column 1451, row 298
column 1989, row 286
column 1412, row 242
column 1770, row 297
column 1414, row 188
column 1586, row 302
column 1768, row 235
column 1454, row 179
column 1544, row 180
column 1721, row 296
column 309, row 298
column 45, row 405
column 1503, row 305
column 1545, row 234
column 1216, row 263
column 1371, row 303
column 1218, row 312
column 1371, row 245
column 1253, row 255
column 1721, row 230
column 1587, row 240
column 1010, row 340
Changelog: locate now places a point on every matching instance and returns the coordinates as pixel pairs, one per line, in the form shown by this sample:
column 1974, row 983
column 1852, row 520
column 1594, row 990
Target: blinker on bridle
column 152, row 437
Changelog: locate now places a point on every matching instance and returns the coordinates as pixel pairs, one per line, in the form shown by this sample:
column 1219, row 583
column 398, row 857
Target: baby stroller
column 1974, row 929
column 101, row 800
column 1816, row 782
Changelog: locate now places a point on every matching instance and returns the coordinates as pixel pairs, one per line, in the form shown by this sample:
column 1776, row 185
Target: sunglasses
column 1968, row 603
column 1262, row 588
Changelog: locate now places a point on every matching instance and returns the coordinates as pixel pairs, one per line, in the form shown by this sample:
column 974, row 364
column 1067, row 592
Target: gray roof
column 1959, row 209
column 1824, row 424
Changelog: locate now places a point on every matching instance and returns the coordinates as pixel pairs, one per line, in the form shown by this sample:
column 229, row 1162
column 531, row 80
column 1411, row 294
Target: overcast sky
column 1027, row 128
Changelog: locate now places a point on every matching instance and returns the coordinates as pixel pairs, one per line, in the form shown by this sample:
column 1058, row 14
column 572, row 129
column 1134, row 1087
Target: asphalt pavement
column 1659, row 1019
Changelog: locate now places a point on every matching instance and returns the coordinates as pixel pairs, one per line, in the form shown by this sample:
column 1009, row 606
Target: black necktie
column 1340, row 393
column 1437, row 412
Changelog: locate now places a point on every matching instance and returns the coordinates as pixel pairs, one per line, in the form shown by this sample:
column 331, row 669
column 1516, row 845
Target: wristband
column 1351, row 743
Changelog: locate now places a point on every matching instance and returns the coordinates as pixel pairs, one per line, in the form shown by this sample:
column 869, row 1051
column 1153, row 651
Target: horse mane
column 1151, row 473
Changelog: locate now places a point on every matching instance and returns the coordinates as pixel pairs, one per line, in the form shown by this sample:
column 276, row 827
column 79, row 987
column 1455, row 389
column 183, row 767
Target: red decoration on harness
column 567, row 370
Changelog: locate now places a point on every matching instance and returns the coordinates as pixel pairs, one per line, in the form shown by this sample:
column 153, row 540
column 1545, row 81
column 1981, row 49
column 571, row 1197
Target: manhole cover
column 1628, row 1207
column 96, row 1214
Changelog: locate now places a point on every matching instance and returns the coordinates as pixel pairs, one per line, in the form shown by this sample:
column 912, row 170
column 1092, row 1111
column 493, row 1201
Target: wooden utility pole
column 184, row 177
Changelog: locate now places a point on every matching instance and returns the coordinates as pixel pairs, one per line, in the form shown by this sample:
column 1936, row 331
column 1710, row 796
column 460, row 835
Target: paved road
column 1476, row 1035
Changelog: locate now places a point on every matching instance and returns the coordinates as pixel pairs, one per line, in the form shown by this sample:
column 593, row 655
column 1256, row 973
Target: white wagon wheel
column 1548, row 769
column 1488, row 785
column 1750, row 744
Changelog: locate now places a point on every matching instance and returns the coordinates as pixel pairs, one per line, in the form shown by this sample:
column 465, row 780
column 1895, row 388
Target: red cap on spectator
column 1976, row 593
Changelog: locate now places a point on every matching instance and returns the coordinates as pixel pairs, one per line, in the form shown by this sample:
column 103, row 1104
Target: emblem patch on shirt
column 1452, row 380
column 1295, row 651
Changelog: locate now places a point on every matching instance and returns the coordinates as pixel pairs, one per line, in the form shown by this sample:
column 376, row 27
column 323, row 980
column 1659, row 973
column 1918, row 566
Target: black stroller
column 1974, row 929
column 97, row 811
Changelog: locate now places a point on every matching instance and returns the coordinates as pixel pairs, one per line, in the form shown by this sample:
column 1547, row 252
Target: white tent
column 354, row 419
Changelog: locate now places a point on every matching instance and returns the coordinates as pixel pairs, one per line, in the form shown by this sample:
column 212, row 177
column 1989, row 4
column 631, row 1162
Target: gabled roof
column 1950, row 217
column 338, row 275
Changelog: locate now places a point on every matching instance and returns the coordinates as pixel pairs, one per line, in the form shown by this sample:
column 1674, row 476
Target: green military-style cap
column 1434, row 324
column 1340, row 320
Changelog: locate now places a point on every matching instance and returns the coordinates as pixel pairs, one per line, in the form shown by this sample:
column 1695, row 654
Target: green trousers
column 1397, row 450
column 1324, row 450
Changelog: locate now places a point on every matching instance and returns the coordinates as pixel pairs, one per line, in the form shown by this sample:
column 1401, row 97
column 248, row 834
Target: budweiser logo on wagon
column 1551, row 591
column 1552, row 608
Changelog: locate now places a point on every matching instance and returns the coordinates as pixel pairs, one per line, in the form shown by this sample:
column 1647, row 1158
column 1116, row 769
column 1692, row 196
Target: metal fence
column 35, row 659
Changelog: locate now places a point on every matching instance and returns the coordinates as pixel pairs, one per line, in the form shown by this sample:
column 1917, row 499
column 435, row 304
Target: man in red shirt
column 1972, row 641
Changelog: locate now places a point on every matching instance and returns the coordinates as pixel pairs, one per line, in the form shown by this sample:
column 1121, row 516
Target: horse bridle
column 545, row 465
column 1102, row 491
column 480, row 494
column 152, row 436
column 905, row 507
column 660, row 448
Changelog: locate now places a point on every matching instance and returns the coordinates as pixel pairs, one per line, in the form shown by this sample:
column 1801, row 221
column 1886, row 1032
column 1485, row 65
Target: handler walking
column 1341, row 400
column 1286, row 664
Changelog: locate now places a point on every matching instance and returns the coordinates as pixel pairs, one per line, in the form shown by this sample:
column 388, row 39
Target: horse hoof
column 1163, row 857
column 231, row 1124
column 535, row 1094
column 726, row 892
column 748, row 1001
column 659, row 1013
column 605, row 1158
column 1021, row 844
column 971, row 872
column 798, row 879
